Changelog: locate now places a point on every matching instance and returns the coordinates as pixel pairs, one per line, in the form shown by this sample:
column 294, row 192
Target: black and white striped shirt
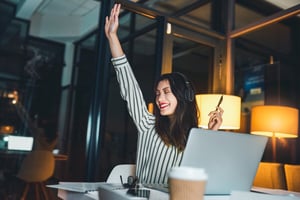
column 154, row 157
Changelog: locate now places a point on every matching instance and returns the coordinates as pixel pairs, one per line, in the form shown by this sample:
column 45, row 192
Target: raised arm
column 129, row 87
column 111, row 28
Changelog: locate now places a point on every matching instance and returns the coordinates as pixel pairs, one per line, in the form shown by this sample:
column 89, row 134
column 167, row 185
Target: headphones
column 189, row 93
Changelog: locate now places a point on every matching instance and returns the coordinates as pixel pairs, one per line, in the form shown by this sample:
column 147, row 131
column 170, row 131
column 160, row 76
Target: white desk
column 114, row 192
column 109, row 191
column 70, row 195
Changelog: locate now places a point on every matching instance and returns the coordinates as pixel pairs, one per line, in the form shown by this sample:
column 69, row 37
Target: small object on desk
column 107, row 191
column 82, row 187
column 187, row 183
column 131, row 182
column 136, row 192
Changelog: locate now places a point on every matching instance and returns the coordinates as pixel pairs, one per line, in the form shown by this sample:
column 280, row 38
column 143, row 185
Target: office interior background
column 54, row 60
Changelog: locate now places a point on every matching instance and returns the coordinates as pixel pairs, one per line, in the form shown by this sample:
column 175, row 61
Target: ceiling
column 69, row 20
column 60, row 20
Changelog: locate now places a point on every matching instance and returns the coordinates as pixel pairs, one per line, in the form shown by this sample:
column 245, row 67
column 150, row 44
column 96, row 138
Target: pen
column 219, row 103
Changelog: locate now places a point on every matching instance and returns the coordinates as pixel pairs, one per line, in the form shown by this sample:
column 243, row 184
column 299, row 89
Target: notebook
column 230, row 159
column 20, row 143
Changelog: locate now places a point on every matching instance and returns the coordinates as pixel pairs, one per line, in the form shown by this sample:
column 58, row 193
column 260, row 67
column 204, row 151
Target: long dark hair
column 175, row 130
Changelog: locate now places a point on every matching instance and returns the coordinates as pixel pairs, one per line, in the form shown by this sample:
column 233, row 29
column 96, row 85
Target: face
column 165, row 99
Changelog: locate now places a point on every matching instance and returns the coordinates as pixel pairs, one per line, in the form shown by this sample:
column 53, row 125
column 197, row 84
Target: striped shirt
column 154, row 157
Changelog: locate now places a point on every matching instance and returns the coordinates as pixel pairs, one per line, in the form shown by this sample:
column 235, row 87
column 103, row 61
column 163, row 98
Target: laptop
column 230, row 159
column 20, row 143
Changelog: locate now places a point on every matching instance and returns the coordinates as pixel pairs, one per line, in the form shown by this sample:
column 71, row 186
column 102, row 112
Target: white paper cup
column 187, row 183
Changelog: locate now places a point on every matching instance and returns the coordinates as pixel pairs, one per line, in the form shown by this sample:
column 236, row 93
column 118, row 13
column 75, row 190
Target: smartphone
column 219, row 103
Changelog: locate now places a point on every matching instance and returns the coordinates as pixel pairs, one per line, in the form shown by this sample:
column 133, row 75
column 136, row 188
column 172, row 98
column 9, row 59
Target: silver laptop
column 230, row 159
column 20, row 143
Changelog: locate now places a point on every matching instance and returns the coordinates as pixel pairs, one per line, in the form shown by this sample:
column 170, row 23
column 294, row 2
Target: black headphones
column 189, row 93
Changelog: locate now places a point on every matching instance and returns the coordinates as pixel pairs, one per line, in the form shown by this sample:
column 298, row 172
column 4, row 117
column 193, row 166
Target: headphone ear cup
column 189, row 93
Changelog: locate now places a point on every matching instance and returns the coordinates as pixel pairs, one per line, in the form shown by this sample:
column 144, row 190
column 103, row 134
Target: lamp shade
column 230, row 104
column 278, row 121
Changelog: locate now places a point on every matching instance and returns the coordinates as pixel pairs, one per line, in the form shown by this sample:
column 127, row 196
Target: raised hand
column 112, row 21
column 111, row 28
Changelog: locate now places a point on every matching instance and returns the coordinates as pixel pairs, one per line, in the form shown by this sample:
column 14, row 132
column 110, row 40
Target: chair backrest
column 37, row 166
column 292, row 174
column 270, row 175
column 123, row 170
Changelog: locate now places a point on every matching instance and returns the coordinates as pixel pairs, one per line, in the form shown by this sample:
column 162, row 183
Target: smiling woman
column 93, row 117
column 162, row 136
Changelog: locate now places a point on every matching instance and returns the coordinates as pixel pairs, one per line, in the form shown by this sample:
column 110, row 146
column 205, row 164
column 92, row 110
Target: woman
column 162, row 136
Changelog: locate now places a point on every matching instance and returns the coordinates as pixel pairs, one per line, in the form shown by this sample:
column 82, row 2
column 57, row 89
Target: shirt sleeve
column 132, row 94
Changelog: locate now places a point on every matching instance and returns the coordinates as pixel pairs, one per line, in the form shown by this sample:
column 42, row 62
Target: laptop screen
column 20, row 143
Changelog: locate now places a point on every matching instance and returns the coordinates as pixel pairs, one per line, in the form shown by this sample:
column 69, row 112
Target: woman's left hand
column 215, row 119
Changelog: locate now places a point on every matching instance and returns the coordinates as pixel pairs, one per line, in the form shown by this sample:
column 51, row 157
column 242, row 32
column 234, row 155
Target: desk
column 62, row 157
column 9, row 153
column 16, row 153
column 68, row 195
column 109, row 191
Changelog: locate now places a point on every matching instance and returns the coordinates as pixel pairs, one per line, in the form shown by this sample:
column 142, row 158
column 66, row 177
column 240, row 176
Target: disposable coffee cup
column 187, row 183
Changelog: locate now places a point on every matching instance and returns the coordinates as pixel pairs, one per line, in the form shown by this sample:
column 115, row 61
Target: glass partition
column 266, row 69
column 195, row 60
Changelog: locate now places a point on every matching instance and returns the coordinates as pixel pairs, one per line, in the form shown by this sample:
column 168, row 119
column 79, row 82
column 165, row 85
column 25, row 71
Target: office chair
column 36, row 168
column 270, row 175
column 292, row 174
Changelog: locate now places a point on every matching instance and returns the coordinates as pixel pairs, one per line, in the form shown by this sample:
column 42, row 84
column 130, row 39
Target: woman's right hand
column 112, row 21
column 215, row 119
column 111, row 28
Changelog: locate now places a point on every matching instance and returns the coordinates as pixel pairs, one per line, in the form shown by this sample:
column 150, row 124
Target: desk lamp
column 274, row 121
column 230, row 104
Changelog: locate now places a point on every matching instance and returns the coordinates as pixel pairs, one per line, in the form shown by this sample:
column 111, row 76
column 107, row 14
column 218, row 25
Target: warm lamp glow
column 278, row 121
column 169, row 28
column 150, row 107
column 6, row 129
column 231, row 106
